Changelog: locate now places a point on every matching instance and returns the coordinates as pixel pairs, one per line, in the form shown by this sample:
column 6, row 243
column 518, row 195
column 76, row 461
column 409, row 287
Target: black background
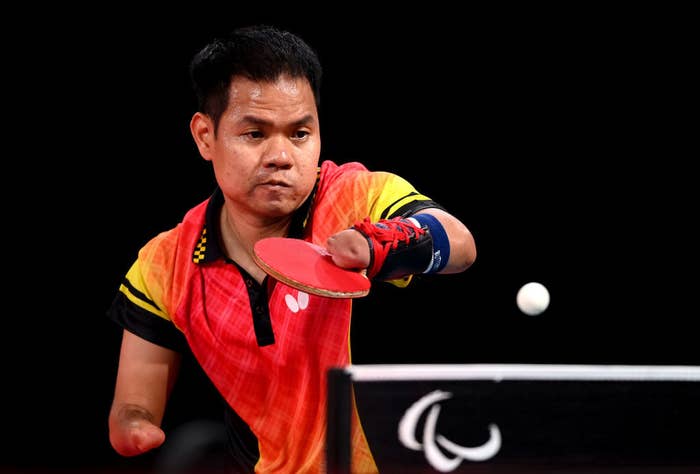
column 554, row 135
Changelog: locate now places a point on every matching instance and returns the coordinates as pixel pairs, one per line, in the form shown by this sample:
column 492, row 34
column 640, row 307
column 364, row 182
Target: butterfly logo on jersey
column 301, row 301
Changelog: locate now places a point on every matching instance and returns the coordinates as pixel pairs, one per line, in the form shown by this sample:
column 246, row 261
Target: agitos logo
column 430, row 441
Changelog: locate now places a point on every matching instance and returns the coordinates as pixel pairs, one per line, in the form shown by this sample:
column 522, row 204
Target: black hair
column 259, row 53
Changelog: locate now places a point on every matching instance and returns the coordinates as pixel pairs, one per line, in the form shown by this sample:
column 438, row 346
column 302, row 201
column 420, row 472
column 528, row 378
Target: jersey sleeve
column 350, row 192
column 391, row 196
column 140, row 304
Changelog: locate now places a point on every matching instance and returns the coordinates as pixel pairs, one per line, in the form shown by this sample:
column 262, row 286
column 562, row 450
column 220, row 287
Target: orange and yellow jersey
column 267, row 348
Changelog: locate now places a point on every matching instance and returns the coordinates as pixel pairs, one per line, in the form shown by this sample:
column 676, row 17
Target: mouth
column 275, row 183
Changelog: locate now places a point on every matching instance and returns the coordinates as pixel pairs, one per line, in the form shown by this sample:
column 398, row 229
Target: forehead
column 285, row 91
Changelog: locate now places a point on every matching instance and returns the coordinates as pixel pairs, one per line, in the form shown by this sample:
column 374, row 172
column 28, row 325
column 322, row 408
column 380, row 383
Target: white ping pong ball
column 532, row 298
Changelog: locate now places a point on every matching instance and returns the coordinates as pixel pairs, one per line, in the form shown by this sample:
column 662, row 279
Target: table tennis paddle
column 308, row 267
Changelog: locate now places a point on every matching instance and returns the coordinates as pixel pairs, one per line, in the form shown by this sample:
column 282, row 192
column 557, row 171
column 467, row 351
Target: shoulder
column 332, row 174
column 329, row 168
column 362, row 178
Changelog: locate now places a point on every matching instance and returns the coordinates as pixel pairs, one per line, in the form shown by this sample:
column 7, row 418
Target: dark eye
column 256, row 134
column 301, row 134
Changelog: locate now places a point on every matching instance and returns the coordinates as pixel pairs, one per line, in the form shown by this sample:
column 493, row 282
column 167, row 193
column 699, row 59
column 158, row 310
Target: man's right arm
column 145, row 378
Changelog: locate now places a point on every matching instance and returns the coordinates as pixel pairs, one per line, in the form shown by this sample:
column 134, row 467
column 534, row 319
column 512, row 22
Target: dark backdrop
column 551, row 134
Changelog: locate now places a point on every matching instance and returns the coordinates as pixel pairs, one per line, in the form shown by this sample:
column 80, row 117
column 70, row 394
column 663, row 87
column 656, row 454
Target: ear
column 202, row 129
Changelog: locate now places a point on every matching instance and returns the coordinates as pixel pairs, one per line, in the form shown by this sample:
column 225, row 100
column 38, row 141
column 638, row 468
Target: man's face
column 266, row 149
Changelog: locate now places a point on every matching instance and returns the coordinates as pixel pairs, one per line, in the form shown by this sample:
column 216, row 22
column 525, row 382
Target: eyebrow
column 305, row 120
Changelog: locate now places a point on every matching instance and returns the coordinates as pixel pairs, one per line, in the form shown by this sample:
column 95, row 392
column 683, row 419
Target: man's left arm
column 430, row 241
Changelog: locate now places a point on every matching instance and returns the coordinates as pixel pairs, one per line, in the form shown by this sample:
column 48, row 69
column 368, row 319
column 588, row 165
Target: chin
column 280, row 209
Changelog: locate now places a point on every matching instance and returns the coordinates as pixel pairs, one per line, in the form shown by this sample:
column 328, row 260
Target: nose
column 278, row 153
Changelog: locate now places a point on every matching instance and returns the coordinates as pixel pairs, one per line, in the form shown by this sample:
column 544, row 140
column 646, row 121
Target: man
column 196, row 286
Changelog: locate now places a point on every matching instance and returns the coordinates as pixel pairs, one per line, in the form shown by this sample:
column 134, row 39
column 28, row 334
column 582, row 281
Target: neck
column 239, row 234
